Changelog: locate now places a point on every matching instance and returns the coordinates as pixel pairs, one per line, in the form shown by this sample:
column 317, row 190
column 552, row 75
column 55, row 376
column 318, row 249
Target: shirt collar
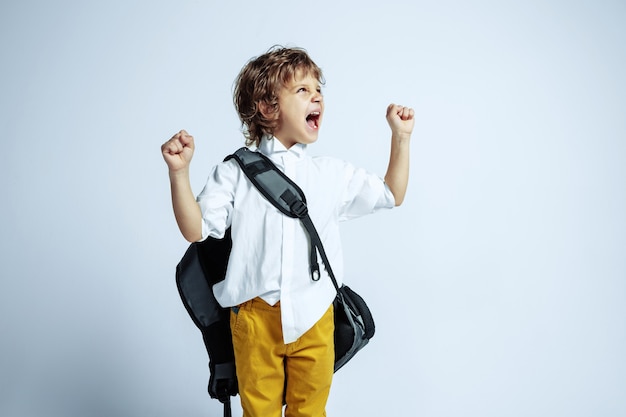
column 272, row 147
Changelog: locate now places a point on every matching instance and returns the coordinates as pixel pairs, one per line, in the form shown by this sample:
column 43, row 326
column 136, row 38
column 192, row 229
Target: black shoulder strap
column 270, row 181
column 286, row 196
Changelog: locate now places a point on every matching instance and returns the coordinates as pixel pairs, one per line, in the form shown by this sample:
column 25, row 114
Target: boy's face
column 301, row 110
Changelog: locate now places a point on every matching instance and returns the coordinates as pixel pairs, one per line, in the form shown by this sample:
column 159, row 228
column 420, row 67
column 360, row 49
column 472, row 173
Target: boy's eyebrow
column 304, row 84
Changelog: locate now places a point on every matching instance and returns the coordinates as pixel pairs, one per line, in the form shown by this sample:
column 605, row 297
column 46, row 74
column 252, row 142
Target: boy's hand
column 178, row 151
column 400, row 119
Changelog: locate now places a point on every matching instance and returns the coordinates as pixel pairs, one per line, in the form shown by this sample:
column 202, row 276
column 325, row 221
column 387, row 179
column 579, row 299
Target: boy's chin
column 312, row 138
column 303, row 140
column 307, row 140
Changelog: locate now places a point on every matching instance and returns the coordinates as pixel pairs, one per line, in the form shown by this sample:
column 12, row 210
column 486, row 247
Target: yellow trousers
column 270, row 371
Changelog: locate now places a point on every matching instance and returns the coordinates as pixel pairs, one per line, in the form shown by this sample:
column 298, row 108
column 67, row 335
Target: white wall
column 498, row 288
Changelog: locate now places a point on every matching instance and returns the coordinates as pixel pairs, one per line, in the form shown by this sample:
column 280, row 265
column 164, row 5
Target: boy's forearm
column 397, row 176
column 186, row 209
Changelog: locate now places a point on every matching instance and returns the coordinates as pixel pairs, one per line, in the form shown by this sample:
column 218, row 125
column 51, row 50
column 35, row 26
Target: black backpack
column 204, row 264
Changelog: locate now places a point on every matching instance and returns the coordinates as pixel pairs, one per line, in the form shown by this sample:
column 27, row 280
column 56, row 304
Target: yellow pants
column 270, row 371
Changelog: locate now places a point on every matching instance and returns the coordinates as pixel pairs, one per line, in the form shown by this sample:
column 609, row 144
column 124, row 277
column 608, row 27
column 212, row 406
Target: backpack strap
column 268, row 179
column 287, row 197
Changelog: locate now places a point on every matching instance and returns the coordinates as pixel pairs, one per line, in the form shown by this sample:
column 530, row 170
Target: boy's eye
column 301, row 89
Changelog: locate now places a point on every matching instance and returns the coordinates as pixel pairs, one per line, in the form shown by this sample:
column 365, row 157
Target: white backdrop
column 498, row 288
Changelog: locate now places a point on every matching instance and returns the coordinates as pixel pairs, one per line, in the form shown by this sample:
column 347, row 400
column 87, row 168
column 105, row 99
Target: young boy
column 282, row 319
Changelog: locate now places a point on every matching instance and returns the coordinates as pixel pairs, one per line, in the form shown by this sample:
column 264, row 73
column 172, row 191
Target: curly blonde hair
column 256, row 88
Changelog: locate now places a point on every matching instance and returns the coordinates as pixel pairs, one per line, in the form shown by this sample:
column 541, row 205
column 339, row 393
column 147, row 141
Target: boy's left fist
column 401, row 119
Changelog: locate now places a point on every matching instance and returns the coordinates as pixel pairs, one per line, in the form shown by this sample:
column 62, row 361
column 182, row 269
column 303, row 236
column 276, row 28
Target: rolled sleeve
column 216, row 200
column 365, row 193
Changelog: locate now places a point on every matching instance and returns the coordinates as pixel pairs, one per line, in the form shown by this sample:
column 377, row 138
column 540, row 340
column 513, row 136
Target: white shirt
column 270, row 253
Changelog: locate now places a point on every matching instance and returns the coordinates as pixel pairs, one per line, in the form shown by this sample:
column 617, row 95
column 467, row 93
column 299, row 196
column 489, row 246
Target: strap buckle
column 297, row 207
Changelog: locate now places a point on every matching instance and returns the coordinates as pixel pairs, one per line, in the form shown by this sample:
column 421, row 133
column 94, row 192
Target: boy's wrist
column 401, row 136
column 179, row 174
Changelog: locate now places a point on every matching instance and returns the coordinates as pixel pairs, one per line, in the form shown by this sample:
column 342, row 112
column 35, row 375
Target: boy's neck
column 272, row 144
column 286, row 144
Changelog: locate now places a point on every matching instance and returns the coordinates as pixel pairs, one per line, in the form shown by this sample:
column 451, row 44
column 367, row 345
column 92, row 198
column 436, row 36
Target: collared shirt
column 270, row 252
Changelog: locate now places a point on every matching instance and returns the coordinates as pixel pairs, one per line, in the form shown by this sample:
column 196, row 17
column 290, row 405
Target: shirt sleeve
column 364, row 193
column 216, row 200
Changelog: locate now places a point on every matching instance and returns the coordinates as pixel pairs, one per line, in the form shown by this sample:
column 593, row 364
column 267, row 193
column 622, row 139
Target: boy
column 281, row 318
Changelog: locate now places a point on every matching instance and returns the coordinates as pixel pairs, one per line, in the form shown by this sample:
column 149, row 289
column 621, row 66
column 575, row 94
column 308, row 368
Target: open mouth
column 313, row 120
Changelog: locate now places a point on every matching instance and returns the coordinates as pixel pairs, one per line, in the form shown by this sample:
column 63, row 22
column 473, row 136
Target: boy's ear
column 265, row 108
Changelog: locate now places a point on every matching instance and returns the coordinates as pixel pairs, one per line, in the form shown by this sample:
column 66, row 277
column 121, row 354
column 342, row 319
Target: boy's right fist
column 178, row 151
